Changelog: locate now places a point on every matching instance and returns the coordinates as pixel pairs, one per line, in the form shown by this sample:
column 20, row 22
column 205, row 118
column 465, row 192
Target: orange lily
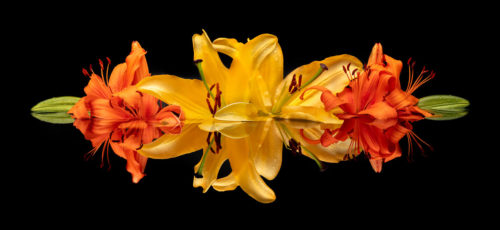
column 377, row 113
column 113, row 113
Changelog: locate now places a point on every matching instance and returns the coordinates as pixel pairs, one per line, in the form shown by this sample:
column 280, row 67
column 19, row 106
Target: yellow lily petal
column 173, row 145
column 264, row 63
column 227, row 183
column 213, row 68
column 261, row 58
column 228, row 46
column 190, row 94
column 309, row 113
column 264, row 58
column 334, row 79
column 244, row 171
column 266, row 148
column 212, row 163
column 239, row 111
column 231, row 129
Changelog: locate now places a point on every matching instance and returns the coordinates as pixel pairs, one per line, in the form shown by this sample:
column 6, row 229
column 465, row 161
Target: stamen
column 420, row 80
column 350, row 75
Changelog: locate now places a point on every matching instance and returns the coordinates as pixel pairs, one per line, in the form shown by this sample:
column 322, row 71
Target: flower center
column 216, row 100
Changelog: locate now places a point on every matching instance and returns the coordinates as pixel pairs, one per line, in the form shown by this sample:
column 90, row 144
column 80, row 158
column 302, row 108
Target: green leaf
column 55, row 110
column 444, row 107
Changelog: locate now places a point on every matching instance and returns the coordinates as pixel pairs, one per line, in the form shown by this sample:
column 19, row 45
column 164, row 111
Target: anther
column 85, row 72
column 197, row 61
column 101, row 64
column 354, row 71
column 323, row 66
column 210, row 106
column 292, row 84
column 140, row 147
column 295, row 146
column 208, row 137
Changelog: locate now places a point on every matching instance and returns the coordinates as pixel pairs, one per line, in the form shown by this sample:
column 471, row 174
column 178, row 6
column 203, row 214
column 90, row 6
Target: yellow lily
column 237, row 117
column 235, row 144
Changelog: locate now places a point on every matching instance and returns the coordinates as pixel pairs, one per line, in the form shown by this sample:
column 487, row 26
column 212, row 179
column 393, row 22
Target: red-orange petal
column 383, row 114
column 97, row 88
column 399, row 99
column 137, row 67
column 395, row 133
column 376, row 56
column 80, row 110
column 376, row 165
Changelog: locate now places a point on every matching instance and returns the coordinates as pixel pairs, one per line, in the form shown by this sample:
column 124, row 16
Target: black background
column 51, row 178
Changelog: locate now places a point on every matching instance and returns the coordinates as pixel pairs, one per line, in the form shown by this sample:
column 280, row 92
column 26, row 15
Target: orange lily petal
column 384, row 115
column 376, row 56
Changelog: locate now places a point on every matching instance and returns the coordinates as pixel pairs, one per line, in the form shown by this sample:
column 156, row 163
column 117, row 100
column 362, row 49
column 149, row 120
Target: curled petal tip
column 377, row 55
column 136, row 45
column 376, row 165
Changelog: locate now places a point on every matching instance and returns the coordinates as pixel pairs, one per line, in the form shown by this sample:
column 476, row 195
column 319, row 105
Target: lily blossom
column 113, row 113
column 233, row 113
column 377, row 113
column 221, row 141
